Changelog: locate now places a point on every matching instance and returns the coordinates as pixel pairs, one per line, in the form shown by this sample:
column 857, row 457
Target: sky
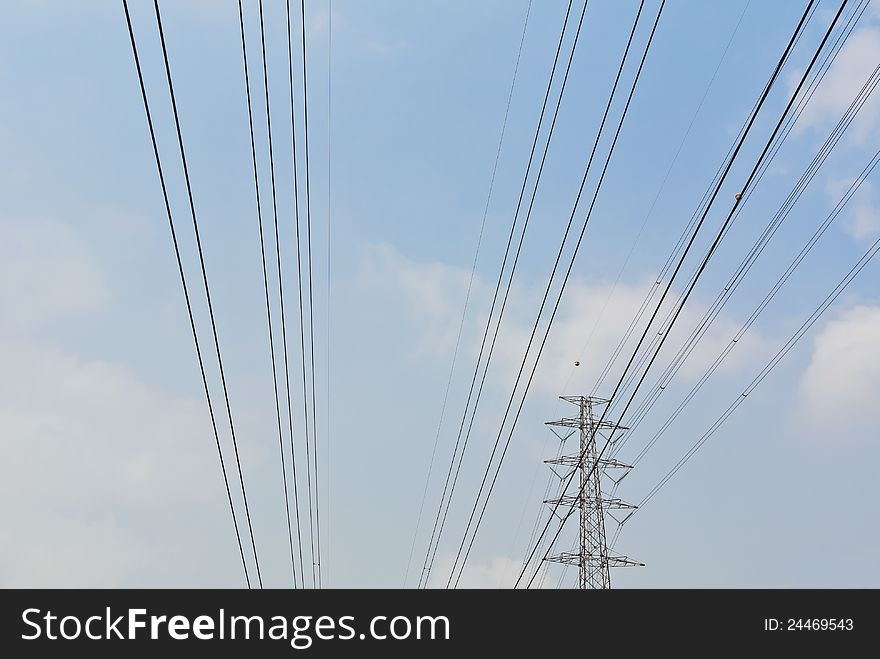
column 109, row 474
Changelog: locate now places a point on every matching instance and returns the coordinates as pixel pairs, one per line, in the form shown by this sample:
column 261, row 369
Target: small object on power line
column 738, row 196
column 577, row 363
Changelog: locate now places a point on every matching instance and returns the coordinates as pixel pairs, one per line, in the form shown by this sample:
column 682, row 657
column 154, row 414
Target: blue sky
column 110, row 476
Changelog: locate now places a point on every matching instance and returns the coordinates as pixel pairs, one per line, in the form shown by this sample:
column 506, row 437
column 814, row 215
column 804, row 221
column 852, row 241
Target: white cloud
column 862, row 221
column 841, row 386
column 350, row 33
column 573, row 337
column 850, row 70
column 46, row 271
column 436, row 292
column 103, row 481
column 498, row 572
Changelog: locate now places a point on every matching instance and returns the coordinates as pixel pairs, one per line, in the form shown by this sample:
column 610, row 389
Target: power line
column 757, row 249
column 294, row 186
column 299, row 288
column 716, row 181
column 678, row 245
column 717, row 239
column 280, row 295
column 263, row 262
column 438, row 524
column 302, row 333
column 183, row 283
column 662, row 186
column 558, row 299
column 805, row 326
column 683, row 140
column 820, row 231
column 510, row 278
column 316, row 558
column 329, row 251
column 838, row 208
column 723, row 228
column 716, row 307
column 192, row 208
column 549, row 284
column 721, row 300
column 468, row 293
column 779, row 140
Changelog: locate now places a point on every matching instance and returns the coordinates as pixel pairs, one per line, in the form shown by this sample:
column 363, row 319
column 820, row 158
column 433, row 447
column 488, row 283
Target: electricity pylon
column 591, row 557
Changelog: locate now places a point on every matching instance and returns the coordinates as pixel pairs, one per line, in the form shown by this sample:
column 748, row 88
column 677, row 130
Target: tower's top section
column 593, row 400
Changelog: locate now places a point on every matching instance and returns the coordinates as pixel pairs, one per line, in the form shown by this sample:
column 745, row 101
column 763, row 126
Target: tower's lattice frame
column 592, row 556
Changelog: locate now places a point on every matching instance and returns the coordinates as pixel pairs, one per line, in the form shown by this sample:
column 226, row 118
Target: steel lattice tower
column 591, row 557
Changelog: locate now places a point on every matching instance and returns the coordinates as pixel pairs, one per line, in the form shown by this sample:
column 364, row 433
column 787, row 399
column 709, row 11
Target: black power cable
column 467, row 296
column 780, row 282
column 192, row 208
column 760, row 244
column 280, row 297
column 522, row 236
column 266, row 279
column 765, row 371
column 316, row 557
column 715, row 242
column 851, row 112
column 327, row 444
column 186, row 297
column 429, row 556
column 662, row 185
column 302, row 334
column 648, row 215
column 556, row 306
column 675, row 251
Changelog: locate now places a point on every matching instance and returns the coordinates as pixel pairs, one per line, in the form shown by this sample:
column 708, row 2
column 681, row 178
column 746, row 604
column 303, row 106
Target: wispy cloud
column 497, row 572
column 105, row 479
column 590, row 322
column 46, row 271
column 858, row 57
column 841, row 386
column 862, row 220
